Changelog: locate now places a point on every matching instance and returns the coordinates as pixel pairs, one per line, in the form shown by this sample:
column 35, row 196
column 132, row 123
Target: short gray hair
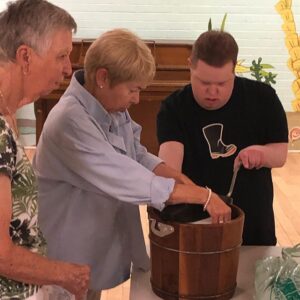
column 31, row 22
column 3, row 57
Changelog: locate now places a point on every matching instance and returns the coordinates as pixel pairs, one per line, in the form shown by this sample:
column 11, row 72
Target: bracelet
column 208, row 198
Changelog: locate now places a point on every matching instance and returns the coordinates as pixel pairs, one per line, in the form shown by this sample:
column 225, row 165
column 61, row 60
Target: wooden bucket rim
column 240, row 217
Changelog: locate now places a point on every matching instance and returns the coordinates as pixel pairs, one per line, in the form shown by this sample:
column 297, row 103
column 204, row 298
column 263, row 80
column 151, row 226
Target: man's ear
column 190, row 63
column 234, row 66
column 23, row 57
column 101, row 77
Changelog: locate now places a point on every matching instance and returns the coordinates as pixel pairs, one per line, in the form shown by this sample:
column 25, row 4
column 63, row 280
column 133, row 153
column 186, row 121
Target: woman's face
column 47, row 70
column 121, row 96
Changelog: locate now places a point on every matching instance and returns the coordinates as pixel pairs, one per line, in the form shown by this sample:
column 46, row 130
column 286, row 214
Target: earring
column 101, row 86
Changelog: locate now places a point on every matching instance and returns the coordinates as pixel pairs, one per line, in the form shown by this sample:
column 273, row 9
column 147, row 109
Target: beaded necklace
column 8, row 115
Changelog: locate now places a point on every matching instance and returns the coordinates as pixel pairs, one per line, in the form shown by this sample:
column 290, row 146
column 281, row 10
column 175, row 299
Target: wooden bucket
column 194, row 261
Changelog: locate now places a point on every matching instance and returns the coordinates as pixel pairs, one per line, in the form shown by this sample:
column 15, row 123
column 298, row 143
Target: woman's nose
column 67, row 67
column 136, row 98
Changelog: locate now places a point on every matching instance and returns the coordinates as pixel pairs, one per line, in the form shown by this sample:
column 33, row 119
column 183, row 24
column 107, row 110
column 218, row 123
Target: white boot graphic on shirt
column 213, row 135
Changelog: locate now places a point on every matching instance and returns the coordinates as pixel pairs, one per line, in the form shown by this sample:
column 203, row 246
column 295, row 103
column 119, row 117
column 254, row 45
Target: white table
column 140, row 288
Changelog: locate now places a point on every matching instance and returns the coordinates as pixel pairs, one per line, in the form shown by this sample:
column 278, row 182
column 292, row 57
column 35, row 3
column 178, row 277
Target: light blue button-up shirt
column 92, row 173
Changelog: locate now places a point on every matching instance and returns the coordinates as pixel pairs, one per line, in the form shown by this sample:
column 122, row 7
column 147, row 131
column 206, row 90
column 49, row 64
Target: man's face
column 212, row 86
column 48, row 69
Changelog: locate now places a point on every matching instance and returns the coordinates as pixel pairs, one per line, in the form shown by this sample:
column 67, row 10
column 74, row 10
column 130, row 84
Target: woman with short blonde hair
column 93, row 171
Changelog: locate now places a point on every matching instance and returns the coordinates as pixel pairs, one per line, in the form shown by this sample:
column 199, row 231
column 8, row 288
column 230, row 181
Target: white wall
column 254, row 23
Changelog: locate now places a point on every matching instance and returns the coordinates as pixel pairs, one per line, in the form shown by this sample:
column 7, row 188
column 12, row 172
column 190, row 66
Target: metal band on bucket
column 203, row 253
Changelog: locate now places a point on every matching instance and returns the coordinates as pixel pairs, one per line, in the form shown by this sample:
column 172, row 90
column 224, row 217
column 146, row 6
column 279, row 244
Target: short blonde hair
column 123, row 54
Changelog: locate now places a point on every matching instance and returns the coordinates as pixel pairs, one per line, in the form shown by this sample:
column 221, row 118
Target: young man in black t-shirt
column 220, row 122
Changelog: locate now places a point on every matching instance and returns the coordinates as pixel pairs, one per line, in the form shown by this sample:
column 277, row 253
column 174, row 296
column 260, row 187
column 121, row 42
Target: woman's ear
column 101, row 77
column 23, row 57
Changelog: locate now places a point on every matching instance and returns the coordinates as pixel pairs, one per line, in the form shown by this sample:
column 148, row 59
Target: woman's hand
column 77, row 278
column 219, row 211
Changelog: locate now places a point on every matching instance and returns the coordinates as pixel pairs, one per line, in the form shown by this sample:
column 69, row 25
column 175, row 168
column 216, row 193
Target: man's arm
column 257, row 156
column 172, row 154
column 164, row 170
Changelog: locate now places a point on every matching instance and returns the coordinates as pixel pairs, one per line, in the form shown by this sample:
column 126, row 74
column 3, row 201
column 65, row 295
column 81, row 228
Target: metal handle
column 233, row 181
column 163, row 229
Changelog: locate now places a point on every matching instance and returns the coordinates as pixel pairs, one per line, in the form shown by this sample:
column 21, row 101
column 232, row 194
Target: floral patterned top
column 24, row 230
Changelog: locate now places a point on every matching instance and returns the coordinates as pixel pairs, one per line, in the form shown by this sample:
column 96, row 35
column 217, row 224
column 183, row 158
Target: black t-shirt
column 212, row 139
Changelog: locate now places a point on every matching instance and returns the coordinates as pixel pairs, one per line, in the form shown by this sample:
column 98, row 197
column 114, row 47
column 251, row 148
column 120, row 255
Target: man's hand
column 251, row 157
column 257, row 156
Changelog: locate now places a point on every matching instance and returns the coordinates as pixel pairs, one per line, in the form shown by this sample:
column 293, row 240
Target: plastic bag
column 278, row 278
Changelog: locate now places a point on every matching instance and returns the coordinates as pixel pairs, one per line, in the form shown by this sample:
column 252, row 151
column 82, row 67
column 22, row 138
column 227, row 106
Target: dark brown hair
column 216, row 48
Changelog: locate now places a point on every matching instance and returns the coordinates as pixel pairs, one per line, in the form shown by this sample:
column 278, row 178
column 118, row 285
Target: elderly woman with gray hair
column 93, row 172
column 35, row 43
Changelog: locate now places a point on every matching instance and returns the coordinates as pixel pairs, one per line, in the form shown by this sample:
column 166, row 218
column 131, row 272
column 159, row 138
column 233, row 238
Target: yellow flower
column 291, row 41
column 296, row 104
column 296, row 87
column 287, row 15
column 289, row 27
column 282, row 5
column 290, row 64
column 295, row 53
column 296, row 65
column 239, row 68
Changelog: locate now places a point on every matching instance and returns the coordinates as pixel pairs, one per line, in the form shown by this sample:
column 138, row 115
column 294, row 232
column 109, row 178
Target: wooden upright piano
column 172, row 73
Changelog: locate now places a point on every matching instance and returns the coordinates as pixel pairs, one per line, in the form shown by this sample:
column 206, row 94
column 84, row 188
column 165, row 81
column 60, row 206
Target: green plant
column 258, row 71
column 222, row 24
